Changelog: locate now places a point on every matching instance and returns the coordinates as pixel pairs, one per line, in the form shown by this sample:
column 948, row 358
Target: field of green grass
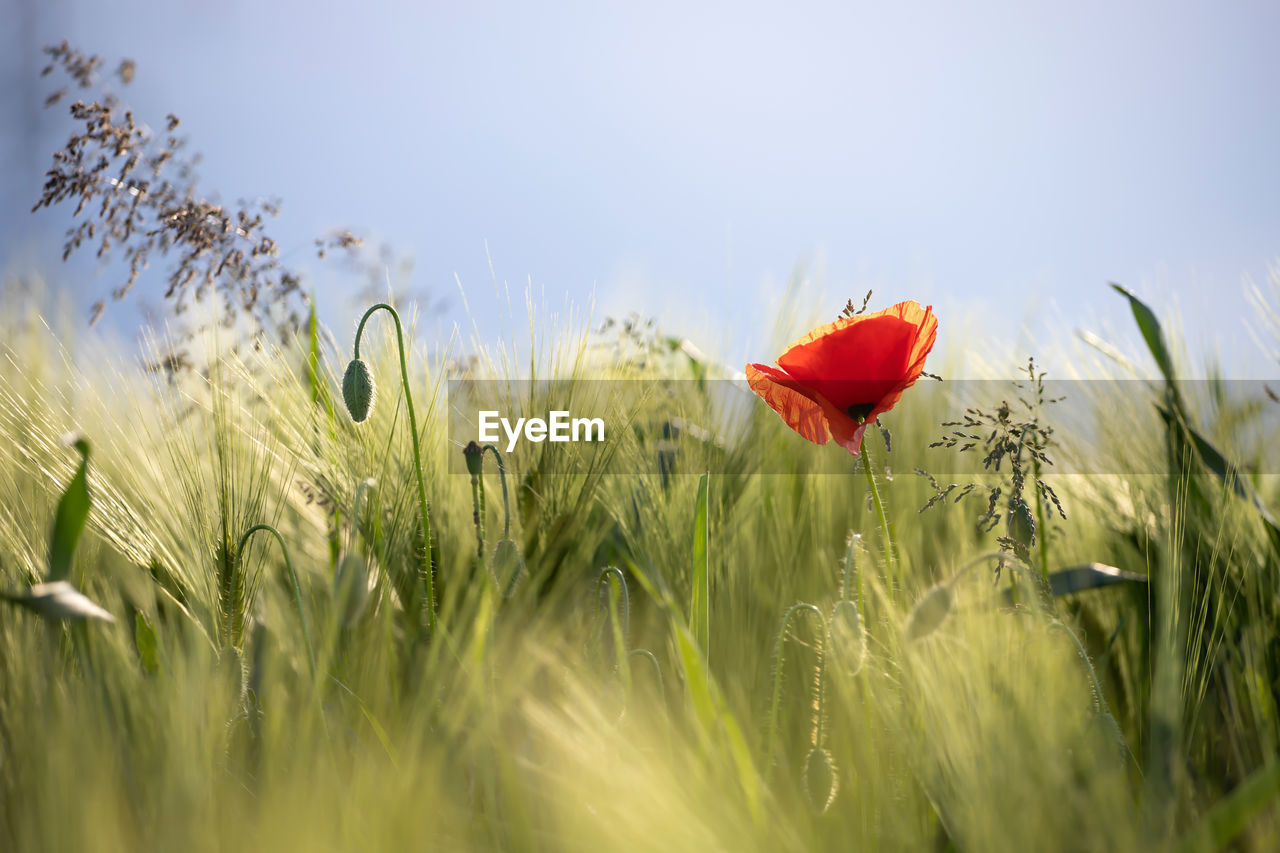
column 719, row 652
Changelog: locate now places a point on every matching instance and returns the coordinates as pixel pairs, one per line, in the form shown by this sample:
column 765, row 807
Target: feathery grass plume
column 59, row 600
column 358, row 390
column 1020, row 436
column 930, row 612
column 139, row 191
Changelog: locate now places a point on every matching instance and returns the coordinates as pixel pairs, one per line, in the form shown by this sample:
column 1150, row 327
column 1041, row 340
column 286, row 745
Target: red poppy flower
column 836, row 380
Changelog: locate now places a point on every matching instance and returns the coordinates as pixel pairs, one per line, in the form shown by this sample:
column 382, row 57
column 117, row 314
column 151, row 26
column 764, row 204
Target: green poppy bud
column 930, row 612
column 848, row 638
column 351, row 588
column 508, row 566
column 358, row 390
column 474, row 454
column 820, row 780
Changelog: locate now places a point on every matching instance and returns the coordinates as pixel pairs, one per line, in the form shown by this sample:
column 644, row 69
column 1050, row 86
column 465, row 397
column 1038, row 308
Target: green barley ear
column 930, row 612
column 820, row 780
column 848, row 638
column 358, row 390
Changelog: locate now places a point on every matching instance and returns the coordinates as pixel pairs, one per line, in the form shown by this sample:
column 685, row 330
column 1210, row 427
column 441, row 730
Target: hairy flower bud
column 351, row 588
column 848, row 638
column 508, row 566
column 930, row 612
column 474, row 456
column 820, row 780
column 358, row 390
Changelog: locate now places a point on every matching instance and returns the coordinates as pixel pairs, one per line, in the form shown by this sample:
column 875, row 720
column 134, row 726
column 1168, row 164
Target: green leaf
column 714, row 718
column 1176, row 417
column 144, row 637
column 1232, row 814
column 59, row 601
column 1229, row 474
column 72, row 513
column 1151, row 332
column 1090, row 576
column 700, row 603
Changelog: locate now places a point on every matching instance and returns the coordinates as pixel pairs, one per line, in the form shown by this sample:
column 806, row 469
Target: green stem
column 819, row 686
column 889, row 549
column 502, row 477
column 477, row 508
column 426, row 570
column 851, row 569
column 293, row 578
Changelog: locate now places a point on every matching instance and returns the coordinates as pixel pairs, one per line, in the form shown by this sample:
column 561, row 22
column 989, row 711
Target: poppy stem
column 889, row 549
column 293, row 578
column 426, row 571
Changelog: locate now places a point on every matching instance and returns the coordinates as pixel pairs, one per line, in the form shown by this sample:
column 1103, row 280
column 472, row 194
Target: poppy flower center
column 860, row 411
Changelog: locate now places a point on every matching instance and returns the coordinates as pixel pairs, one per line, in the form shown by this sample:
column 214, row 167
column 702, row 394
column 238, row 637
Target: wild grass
column 659, row 704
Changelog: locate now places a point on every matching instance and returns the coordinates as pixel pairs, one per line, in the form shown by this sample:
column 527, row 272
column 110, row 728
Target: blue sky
column 1000, row 160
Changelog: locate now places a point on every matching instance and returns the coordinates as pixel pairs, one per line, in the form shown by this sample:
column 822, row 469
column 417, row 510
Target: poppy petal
column 836, row 380
column 808, row 413
column 864, row 359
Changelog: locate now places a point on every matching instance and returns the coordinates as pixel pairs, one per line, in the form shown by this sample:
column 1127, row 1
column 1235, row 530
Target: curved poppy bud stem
column 293, row 578
column 851, row 570
column 776, row 700
column 890, row 551
column 426, row 570
column 502, row 477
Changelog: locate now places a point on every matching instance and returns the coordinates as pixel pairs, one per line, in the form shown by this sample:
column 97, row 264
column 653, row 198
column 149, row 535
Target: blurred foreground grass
column 585, row 711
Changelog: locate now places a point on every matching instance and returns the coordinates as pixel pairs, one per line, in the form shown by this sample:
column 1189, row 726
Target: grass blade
column 700, row 603
column 713, row 715
column 1151, row 331
column 1090, row 576
column 144, row 637
column 1232, row 814
column 72, row 513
